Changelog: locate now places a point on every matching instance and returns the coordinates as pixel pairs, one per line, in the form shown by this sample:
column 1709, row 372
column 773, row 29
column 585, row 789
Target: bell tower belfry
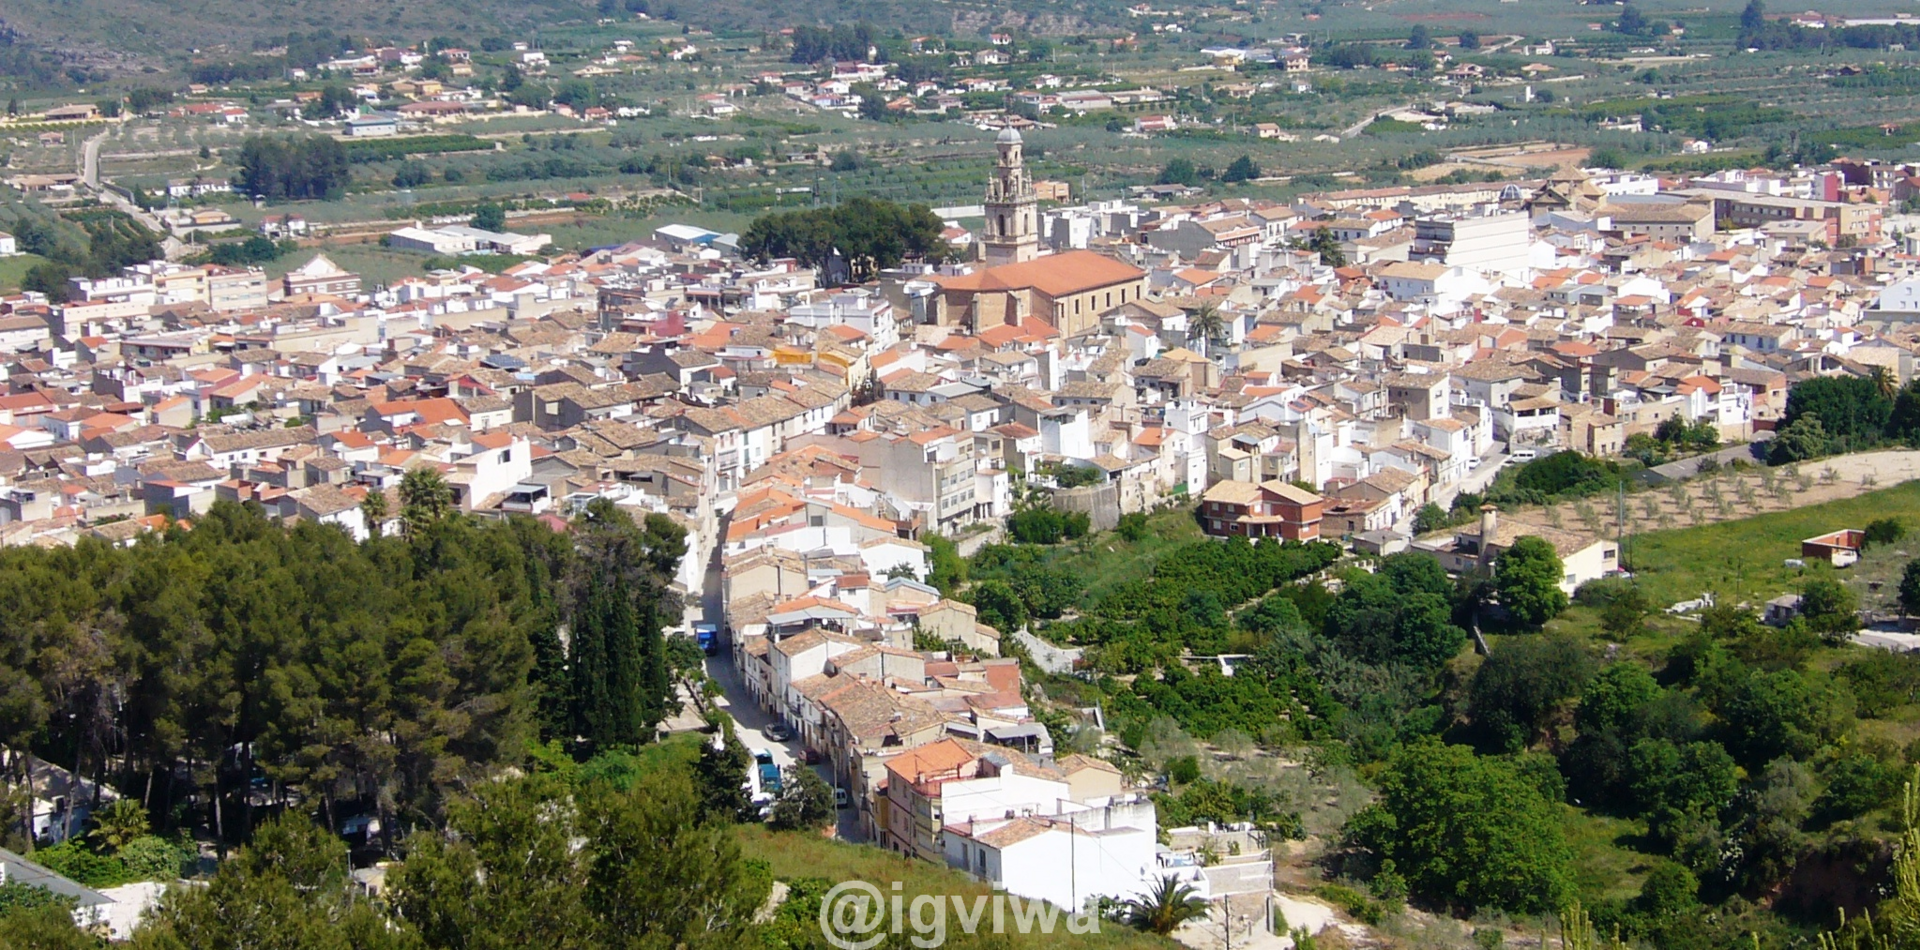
column 1012, row 231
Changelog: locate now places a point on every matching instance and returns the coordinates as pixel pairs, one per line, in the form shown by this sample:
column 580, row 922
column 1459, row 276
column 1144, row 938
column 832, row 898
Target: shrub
column 152, row 858
column 85, row 867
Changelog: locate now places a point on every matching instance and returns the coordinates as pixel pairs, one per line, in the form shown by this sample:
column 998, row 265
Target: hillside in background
column 62, row 44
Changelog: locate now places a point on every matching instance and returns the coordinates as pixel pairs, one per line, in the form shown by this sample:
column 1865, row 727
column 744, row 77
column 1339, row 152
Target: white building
column 431, row 241
column 1108, row 849
column 859, row 309
column 1494, row 244
column 1438, row 284
column 8, row 246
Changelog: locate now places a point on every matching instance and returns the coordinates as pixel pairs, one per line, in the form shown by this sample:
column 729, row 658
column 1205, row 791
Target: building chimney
column 1489, row 526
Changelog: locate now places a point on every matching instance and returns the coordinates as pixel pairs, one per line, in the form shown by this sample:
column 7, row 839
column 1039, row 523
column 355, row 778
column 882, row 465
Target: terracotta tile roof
column 1056, row 275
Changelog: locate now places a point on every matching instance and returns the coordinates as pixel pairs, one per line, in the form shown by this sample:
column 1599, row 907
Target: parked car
column 841, row 799
column 779, row 732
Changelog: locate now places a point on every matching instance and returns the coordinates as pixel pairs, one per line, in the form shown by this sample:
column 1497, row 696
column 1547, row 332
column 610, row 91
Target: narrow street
column 748, row 717
column 1476, row 481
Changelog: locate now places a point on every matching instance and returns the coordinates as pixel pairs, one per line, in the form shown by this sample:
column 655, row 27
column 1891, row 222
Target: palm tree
column 119, row 822
column 1884, row 381
column 1165, row 906
column 1207, row 326
column 375, row 507
column 424, row 497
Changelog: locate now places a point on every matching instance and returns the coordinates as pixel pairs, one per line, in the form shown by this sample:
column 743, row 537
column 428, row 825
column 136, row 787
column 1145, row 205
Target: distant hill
column 55, row 43
column 41, row 40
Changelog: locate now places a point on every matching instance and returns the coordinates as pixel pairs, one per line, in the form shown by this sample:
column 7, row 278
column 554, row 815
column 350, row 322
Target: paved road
column 1356, row 128
column 90, row 159
column 1476, row 481
column 90, row 175
column 1687, row 468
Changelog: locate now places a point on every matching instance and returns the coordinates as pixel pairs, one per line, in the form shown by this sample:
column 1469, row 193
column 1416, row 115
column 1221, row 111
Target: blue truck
column 708, row 636
column 769, row 772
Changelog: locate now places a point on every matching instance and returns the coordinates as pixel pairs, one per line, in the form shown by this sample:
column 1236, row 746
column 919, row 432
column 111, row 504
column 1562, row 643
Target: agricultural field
column 1530, row 113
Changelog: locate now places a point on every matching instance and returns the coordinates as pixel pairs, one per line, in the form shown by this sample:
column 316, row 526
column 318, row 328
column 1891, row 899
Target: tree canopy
column 870, row 233
column 1467, row 831
column 288, row 167
column 1526, row 577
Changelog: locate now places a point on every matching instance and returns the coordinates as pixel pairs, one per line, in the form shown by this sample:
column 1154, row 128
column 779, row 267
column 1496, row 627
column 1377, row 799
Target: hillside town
column 1319, row 370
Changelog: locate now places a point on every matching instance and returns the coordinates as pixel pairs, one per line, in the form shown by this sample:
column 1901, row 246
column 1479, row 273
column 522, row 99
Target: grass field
column 795, row 855
column 1606, row 865
column 1746, row 559
column 1106, row 560
column 1111, row 560
column 14, row 269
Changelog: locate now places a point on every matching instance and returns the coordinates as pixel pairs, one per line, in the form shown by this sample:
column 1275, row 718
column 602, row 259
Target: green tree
column 374, row 507
column 1166, row 905
column 1632, row 22
column 720, row 774
column 1910, row 588
column 1830, row 608
column 49, row 278
column 1328, row 247
column 1420, row 38
column 490, row 217
column 997, row 605
column 947, row 570
column 1754, row 17
column 1670, row 891
column 1766, row 716
column 1179, row 171
column 1375, row 621
column 1673, row 783
column 1626, row 612
column 1527, row 578
column 1883, row 531
column 1469, row 40
column 805, row 802
column 1242, row 169
column 293, row 168
column 870, row 233
column 1523, row 686
column 621, row 684
column 1272, row 616
column 1466, row 831
column 1854, row 409
column 289, row 888
column 530, row 862
column 1856, row 785
column 425, row 497
column 44, row 925
column 1903, row 420
column 1803, row 438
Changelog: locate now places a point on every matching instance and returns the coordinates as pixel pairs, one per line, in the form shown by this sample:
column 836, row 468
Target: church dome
column 1008, row 137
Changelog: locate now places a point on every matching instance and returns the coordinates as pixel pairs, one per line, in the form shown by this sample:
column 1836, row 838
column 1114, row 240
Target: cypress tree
column 591, row 676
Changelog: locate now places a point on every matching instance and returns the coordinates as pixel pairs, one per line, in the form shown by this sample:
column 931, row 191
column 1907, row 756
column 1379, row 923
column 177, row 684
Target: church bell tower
column 1012, row 231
